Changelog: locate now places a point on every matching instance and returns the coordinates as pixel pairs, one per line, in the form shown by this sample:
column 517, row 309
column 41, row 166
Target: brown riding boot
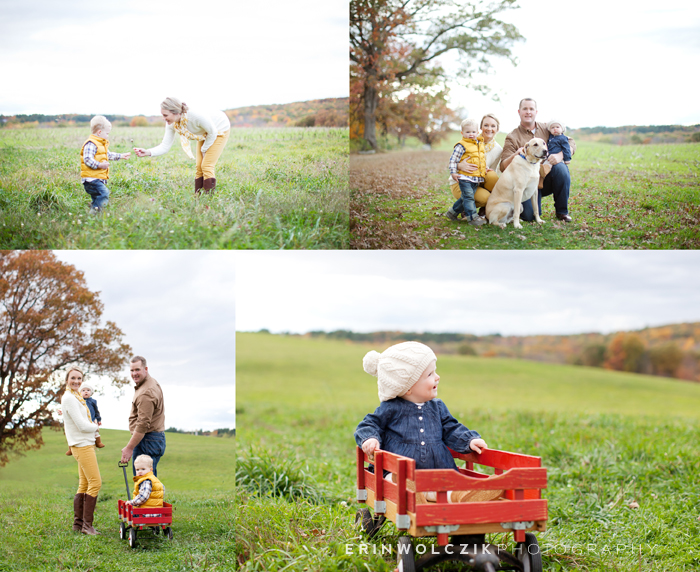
column 198, row 184
column 69, row 452
column 89, row 514
column 78, row 500
column 209, row 186
column 98, row 442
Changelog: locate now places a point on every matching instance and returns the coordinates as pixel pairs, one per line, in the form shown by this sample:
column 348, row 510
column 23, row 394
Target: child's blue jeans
column 99, row 192
column 466, row 202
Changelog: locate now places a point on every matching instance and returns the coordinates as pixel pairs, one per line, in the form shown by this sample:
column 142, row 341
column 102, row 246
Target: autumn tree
column 625, row 353
column 394, row 42
column 49, row 320
column 666, row 359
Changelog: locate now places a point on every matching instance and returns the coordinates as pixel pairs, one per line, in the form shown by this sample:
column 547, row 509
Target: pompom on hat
column 398, row 368
column 556, row 122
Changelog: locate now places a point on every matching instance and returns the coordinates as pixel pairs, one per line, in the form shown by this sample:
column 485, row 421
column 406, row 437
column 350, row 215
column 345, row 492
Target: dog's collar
column 524, row 157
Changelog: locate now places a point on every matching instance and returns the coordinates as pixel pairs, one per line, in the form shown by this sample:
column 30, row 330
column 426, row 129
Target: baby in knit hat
column 558, row 142
column 410, row 420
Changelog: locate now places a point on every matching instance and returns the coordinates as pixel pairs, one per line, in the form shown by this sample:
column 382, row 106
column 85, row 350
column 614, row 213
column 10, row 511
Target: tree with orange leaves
column 49, row 320
column 393, row 42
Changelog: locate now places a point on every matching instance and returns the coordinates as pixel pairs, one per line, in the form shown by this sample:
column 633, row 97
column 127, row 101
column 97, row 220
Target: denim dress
column 559, row 143
column 94, row 412
column 418, row 431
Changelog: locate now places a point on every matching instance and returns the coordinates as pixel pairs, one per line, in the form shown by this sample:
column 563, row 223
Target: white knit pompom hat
column 88, row 385
column 556, row 122
column 398, row 368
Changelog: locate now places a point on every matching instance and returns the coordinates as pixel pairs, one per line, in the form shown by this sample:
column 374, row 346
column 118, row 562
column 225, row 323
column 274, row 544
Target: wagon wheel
column 122, row 531
column 168, row 532
column 406, row 555
column 156, row 530
column 370, row 524
column 529, row 554
column 132, row 537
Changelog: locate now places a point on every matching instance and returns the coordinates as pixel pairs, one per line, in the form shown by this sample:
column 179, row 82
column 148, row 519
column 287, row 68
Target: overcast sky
column 598, row 62
column 125, row 57
column 473, row 292
column 177, row 309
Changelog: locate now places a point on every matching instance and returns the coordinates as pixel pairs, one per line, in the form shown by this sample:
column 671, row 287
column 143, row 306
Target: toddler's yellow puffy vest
column 100, row 155
column 476, row 155
column 156, row 498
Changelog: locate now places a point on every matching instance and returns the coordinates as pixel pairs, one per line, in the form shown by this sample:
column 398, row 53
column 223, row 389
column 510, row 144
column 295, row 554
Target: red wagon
column 133, row 518
column 460, row 527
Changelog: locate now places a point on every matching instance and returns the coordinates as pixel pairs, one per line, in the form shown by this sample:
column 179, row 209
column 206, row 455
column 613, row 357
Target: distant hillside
column 639, row 134
column 314, row 113
column 331, row 112
column 670, row 351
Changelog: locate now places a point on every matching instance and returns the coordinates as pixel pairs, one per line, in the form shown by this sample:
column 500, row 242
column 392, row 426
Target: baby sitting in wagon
column 148, row 490
column 411, row 421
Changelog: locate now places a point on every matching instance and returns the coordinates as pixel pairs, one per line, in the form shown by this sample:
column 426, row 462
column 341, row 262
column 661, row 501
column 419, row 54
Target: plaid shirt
column 144, row 493
column 89, row 158
column 459, row 150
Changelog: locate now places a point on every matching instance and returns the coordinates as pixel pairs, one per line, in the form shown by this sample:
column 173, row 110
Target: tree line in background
column 670, row 351
column 330, row 112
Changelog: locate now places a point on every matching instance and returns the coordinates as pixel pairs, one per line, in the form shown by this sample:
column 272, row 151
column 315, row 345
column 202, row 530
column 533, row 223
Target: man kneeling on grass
column 148, row 490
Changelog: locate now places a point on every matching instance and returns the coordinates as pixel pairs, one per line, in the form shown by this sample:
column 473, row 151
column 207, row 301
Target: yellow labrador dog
column 517, row 185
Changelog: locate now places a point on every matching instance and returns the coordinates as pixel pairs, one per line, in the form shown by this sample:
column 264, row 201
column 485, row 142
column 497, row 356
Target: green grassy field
column 622, row 197
column 36, row 493
column 276, row 188
column 608, row 440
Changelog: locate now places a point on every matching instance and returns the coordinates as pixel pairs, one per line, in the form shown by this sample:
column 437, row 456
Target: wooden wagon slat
column 499, row 459
column 481, row 512
column 447, row 479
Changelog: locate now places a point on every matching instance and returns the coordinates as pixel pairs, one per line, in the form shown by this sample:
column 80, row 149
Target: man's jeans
column 153, row 445
column 557, row 183
column 466, row 202
column 99, row 192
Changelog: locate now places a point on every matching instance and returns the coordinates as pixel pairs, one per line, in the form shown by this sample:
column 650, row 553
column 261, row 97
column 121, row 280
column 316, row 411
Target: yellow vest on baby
column 474, row 154
column 100, row 155
column 156, row 498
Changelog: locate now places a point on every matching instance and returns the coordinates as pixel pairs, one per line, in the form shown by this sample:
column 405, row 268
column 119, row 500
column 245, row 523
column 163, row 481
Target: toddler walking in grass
column 94, row 162
column 411, row 421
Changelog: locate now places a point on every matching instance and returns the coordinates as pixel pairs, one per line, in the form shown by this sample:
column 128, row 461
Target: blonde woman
column 80, row 433
column 489, row 127
column 210, row 130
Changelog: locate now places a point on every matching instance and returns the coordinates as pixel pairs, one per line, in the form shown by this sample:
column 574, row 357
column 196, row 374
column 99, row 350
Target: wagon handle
column 124, row 466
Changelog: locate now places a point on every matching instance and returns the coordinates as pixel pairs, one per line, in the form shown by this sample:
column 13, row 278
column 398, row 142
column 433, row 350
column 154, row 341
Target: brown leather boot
column 98, row 442
column 198, row 184
column 89, row 514
column 69, row 452
column 209, row 186
column 78, row 500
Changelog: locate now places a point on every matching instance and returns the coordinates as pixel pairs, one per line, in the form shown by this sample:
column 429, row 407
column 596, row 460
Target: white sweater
column 207, row 124
column 80, row 431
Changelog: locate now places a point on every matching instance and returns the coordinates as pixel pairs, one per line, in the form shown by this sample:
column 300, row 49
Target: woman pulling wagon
column 210, row 130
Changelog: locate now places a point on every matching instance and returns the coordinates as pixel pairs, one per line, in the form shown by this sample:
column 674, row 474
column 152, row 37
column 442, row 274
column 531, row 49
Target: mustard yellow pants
column 482, row 192
column 89, row 479
column 206, row 164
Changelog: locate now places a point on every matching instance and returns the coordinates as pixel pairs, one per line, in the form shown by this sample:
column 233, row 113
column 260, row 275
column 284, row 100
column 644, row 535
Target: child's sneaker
column 452, row 215
column 477, row 221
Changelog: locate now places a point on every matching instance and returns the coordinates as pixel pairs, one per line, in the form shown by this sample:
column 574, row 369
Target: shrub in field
column 265, row 474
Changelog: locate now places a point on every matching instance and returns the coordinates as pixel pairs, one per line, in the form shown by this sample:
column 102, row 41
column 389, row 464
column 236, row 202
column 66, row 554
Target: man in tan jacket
column 147, row 417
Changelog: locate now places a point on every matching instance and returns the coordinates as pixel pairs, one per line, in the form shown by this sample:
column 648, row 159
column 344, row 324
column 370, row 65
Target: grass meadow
column 36, row 509
column 276, row 188
column 622, row 197
column 608, row 439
